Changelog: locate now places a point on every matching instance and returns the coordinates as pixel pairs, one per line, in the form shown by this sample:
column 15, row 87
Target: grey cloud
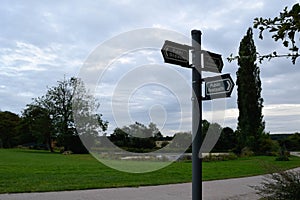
column 76, row 29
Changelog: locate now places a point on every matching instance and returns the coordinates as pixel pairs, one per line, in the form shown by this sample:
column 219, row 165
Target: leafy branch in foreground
column 284, row 28
column 263, row 57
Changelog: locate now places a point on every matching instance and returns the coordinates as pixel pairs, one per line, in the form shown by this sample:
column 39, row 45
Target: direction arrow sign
column 212, row 62
column 218, row 86
column 175, row 53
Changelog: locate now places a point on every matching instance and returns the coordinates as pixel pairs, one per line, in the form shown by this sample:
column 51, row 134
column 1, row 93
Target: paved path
column 213, row 190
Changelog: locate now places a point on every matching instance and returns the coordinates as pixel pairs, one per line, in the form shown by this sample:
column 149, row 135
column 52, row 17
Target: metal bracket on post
column 205, row 99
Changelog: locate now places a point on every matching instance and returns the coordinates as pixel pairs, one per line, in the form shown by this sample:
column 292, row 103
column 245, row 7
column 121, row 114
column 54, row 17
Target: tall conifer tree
column 250, row 102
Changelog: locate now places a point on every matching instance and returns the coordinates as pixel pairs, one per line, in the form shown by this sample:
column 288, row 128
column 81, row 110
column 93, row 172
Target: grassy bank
column 31, row 171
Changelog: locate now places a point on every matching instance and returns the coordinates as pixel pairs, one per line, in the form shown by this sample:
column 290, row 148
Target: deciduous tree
column 61, row 102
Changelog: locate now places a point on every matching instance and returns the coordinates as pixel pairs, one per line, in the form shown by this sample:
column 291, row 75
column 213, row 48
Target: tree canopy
column 37, row 122
column 8, row 129
column 65, row 101
column 138, row 137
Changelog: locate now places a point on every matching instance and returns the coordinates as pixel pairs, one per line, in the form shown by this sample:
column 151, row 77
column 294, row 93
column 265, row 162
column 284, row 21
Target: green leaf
column 294, row 48
column 296, row 9
column 291, row 35
column 273, row 29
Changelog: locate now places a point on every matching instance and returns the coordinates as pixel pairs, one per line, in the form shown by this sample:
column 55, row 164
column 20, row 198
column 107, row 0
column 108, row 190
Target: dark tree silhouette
column 8, row 129
column 39, row 124
column 250, row 102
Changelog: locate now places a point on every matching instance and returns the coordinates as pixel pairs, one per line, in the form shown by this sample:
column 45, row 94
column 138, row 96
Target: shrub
column 283, row 155
column 246, row 152
column 284, row 185
column 185, row 157
column 76, row 146
column 219, row 157
column 268, row 146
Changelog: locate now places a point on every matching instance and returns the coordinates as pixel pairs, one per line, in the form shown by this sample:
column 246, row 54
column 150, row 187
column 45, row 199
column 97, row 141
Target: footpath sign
column 175, row 53
column 215, row 87
column 218, row 86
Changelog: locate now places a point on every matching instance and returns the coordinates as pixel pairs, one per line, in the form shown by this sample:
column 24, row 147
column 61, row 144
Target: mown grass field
column 32, row 171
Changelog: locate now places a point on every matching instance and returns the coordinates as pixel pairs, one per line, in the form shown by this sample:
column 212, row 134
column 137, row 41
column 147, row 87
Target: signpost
column 218, row 86
column 175, row 53
column 215, row 87
column 196, row 117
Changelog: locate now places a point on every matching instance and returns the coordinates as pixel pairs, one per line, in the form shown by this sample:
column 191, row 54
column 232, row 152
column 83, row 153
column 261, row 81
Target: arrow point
column 229, row 85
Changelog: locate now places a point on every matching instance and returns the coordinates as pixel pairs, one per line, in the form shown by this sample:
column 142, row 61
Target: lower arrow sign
column 218, row 86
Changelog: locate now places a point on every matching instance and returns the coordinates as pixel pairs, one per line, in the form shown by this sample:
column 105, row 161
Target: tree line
column 35, row 129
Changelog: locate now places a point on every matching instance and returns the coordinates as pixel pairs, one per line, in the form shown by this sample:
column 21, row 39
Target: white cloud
column 28, row 57
column 40, row 42
column 279, row 118
column 26, row 94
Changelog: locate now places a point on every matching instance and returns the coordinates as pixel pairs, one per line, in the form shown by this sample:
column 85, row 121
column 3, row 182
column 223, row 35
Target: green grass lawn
column 31, row 171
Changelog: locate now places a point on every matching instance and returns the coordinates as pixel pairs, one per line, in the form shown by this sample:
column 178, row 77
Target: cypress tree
column 250, row 103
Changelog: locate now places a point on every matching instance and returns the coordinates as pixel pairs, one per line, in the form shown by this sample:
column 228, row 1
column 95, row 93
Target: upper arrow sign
column 218, row 86
column 175, row 53
column 212, row 62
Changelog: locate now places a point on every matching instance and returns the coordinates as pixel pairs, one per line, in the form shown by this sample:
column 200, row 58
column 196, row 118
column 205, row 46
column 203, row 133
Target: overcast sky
column 41, row 41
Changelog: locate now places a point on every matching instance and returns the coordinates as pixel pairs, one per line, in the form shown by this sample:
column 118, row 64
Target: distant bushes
column 292, row 142
column 219, row 157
